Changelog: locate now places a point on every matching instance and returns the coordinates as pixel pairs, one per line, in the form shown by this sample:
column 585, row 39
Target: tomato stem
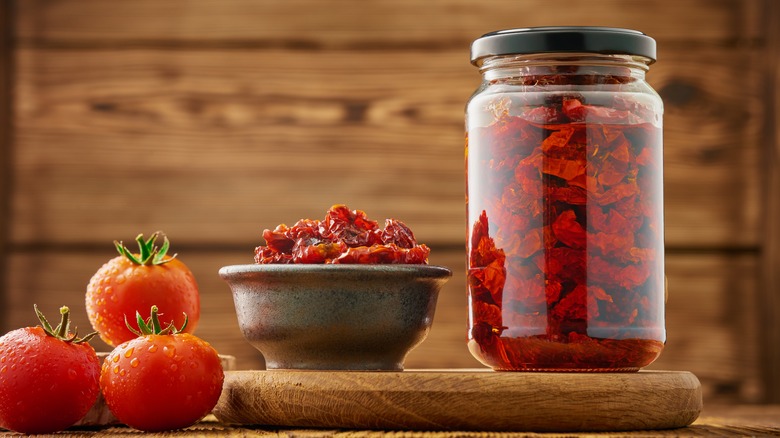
column 149, row 254
column 152, row 326
column 62, row 331
column 155, row 320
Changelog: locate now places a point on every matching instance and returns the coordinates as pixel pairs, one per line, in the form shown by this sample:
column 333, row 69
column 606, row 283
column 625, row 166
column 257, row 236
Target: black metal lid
column 559, row 39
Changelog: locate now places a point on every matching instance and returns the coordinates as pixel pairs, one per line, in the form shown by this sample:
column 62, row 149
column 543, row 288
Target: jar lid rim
column 563, row 39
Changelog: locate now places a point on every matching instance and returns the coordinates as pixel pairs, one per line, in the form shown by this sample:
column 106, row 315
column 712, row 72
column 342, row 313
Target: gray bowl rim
column 425, row 271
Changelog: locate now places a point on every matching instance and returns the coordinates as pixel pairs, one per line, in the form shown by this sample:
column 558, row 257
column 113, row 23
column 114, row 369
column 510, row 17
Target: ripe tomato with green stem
column 48, row 377
column 131, row 282
column 162, row 380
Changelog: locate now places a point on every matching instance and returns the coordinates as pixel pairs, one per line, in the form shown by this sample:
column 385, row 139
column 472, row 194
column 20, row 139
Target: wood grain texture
column 715, row 420
column 709, row 312
column 719, row 420
column 312, row 24
column 226, row 143
column 459, row 400
column 767, row 415
column 6, row 138
column 769, row 292
column 711, row 325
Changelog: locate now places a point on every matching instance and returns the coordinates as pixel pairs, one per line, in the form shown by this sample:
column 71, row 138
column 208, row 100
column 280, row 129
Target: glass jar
column 565, row 201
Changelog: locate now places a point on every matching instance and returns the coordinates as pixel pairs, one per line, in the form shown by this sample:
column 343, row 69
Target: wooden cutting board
column 461, row 400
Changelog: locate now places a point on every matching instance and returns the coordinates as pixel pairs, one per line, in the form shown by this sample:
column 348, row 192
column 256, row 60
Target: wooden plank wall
column 769, row 297
column 212, row 120
column 6, row 86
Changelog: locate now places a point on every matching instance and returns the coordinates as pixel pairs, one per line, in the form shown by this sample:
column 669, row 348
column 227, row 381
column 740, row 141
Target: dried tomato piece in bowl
column 344, row 236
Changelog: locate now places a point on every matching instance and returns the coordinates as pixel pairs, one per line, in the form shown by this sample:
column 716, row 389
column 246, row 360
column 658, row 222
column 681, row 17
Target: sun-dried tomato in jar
column 565, row 201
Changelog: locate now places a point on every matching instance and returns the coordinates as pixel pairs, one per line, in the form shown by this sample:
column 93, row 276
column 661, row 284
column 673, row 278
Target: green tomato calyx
column 62, row 331
column 151, row 325
column 150, row 254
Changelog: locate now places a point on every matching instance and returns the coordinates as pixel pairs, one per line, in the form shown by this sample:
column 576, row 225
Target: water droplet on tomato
column 174, row 367
column 116, row 369
column 193, row 365
column 72, row 374
column 4, row 369
column 129, row 352
column 134, row 363
column 109, row 290
column 122, row 373
column 182, row 378
column 115, row 359
column 119, row 279
column 152, row 348
column 169, row 350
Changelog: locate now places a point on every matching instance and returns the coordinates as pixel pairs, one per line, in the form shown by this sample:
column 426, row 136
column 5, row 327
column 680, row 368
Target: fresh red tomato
column 48, row 377
column 162, row 380
column 134, row 282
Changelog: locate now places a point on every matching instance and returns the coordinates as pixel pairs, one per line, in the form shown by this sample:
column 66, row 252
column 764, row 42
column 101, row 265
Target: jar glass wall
column 565, row 213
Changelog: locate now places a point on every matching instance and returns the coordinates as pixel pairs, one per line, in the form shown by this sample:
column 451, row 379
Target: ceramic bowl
column 335, row 317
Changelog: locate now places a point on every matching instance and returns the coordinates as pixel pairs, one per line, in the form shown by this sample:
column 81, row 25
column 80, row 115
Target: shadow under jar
column 565, row 201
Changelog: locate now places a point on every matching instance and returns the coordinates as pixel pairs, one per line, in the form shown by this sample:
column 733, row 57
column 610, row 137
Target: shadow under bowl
column 335, row 317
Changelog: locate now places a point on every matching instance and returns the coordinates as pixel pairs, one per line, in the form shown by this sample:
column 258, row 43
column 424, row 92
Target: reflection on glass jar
column 565, row 202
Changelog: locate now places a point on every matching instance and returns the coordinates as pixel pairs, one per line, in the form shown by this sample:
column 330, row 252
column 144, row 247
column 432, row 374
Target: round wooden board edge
column 461, row 399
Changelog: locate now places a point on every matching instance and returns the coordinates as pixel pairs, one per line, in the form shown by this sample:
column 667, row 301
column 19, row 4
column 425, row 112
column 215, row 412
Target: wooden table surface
column 722, row 421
